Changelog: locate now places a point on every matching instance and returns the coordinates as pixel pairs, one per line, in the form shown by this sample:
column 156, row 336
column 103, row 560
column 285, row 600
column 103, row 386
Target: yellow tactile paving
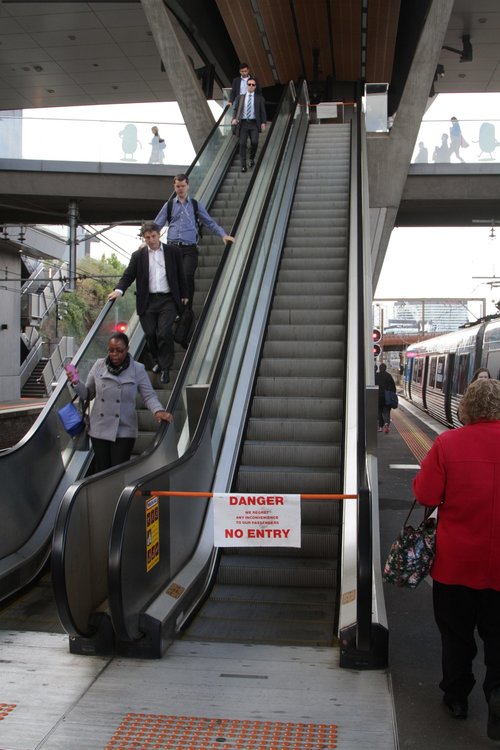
column 416, row 440
column 5, row 709
column 158, row 732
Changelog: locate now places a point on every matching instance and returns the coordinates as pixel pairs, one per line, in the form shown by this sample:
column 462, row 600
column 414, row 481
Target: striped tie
column 248, row 108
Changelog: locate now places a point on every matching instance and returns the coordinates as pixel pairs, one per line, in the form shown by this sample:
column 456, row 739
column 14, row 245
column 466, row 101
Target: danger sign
column 256, row 520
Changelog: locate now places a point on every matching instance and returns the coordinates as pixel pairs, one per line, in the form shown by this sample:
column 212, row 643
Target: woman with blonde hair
column 461, row 475
column 157, row 144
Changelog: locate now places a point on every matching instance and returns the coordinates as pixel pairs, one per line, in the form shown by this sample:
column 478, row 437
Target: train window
column 441, row 361
column 462, row 373
column 431, row 382
column 418, row 368
column 493, row 364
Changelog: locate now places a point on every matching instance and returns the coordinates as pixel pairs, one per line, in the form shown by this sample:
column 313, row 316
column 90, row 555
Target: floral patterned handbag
column 412, row 553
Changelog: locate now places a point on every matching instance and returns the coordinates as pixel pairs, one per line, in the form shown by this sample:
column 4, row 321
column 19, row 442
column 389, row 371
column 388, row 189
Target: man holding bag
column 385, row 382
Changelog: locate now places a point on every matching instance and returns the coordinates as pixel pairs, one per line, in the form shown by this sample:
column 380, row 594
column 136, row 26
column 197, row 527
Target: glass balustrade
column 457, row 142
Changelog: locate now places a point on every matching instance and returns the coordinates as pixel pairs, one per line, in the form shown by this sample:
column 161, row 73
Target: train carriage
column 439, row 369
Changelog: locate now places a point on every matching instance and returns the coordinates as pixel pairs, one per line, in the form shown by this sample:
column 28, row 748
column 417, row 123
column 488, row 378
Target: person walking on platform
column 160, row 293
column 114, row 382
column 460, row 475
column 385, row 382
column 183, row 215
column 250, row 114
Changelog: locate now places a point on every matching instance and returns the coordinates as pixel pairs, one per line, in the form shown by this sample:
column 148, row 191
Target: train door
column 448, row 386
column 434, row 386
column 461, row 378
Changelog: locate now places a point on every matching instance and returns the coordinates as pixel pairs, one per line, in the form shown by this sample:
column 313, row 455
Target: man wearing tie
column 250, row 113
column 161, row 290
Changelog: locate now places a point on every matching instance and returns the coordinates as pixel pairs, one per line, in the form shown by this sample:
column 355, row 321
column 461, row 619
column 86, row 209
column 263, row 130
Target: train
column 439, row 369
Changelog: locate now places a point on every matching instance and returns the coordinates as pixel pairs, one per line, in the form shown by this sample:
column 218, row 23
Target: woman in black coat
column 385, row 382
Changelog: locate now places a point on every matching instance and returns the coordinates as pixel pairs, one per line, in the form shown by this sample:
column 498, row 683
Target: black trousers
column 384, row 414
column 190, row 264
column 458, row 610
column 248, row 129
column 157, row 324
column 108, row 453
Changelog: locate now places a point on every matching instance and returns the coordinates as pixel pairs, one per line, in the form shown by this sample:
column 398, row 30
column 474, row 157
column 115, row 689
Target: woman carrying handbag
column 461, row 474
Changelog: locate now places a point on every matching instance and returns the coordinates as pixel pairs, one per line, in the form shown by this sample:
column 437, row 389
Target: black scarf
column 117, row 370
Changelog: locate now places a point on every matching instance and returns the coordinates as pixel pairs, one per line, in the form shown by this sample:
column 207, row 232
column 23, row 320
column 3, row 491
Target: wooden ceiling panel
column 383, row 17
column 314, row 28
column 346, row 32
column 280, row 32
column 241, row 24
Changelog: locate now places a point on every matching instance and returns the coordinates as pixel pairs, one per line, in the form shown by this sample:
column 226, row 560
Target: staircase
column 294, row 437
column 35, row 385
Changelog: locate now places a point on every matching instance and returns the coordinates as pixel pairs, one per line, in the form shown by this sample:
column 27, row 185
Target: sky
column 457, row 256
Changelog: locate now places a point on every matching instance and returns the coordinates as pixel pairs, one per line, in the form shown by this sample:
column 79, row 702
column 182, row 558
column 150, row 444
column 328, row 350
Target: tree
column 95, row 279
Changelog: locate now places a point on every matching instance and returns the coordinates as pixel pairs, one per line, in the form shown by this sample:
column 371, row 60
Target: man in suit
column 250, row 113
column 239, row 84
column 161, row 290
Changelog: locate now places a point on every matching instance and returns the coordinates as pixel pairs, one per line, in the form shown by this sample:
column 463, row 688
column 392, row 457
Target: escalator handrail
column 128, row 494
column 364, row 572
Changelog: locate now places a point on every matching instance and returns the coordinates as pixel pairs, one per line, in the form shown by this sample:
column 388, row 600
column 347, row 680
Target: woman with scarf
column 114, row 382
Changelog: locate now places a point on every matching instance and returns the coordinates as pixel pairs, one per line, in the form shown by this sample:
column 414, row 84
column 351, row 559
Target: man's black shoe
column 493, row 728
column 165, row 377
column 457, row 707
column 252, row 162
column 243, row 169
column 156, row 368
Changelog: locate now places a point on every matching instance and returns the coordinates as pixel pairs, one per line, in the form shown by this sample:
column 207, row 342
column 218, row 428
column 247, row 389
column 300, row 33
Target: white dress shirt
column 157, row 273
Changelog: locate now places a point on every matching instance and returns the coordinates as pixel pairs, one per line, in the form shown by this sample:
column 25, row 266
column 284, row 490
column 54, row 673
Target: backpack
column 199, row 226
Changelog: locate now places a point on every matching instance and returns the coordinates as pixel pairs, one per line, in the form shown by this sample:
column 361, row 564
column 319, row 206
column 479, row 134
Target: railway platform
column 202, row 696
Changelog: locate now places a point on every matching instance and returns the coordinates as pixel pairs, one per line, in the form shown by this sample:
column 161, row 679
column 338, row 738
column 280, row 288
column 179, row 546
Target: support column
column 389, row 158
column 185, row 84
column 72, row 242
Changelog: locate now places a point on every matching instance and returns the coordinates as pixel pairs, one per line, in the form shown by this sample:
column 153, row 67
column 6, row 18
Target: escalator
column 294, row 436
column 282, row 409
column 87, row 511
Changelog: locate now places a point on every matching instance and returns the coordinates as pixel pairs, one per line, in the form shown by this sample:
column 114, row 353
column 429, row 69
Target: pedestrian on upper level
column 457, row 141
column 158, row 146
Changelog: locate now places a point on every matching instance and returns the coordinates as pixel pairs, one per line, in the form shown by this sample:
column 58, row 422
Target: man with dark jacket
column 385, row 382
column 239, row 84
column 250, row 114
column 161, row 290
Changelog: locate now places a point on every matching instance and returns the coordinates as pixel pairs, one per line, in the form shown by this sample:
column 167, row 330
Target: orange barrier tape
column 174, row 493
